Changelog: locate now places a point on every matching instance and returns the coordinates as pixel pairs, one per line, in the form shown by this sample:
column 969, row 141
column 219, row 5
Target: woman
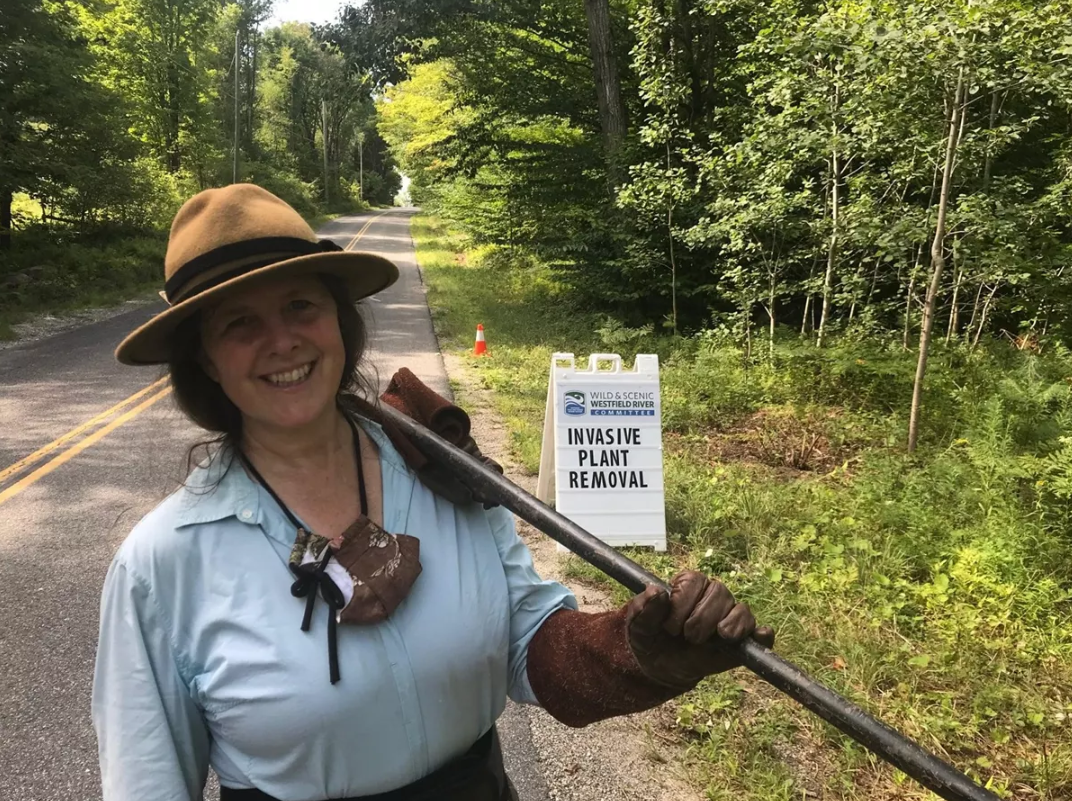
column 429, row 605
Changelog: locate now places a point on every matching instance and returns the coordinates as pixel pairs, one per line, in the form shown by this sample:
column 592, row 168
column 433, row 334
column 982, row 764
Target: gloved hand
column 681, row 637
column 445, row 484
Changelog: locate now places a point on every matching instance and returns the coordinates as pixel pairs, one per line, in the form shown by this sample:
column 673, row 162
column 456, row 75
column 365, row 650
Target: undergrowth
column 933, row 589
column 49, row 272
column 54, row 270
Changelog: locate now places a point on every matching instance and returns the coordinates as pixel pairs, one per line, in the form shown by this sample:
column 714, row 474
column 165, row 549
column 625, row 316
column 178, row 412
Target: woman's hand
column 681, row 637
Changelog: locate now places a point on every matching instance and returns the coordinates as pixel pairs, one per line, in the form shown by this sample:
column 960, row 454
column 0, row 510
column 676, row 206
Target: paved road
column 58, row 534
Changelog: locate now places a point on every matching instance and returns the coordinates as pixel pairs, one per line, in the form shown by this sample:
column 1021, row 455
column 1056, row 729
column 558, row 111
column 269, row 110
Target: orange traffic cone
column 480, row 348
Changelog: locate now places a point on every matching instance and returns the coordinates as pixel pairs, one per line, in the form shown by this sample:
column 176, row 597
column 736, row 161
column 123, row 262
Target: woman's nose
column 281, row 336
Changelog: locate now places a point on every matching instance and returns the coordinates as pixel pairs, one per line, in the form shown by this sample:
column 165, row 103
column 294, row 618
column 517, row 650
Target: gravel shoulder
column 633, row 758
column 44, row 325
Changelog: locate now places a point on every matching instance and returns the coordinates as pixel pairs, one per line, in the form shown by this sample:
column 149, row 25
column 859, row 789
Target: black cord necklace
column 313, row 576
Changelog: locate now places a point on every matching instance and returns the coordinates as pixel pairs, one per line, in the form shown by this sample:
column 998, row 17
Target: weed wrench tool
column 892, row 746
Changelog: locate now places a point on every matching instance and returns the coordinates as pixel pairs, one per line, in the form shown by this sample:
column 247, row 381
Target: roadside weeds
column 880, row 574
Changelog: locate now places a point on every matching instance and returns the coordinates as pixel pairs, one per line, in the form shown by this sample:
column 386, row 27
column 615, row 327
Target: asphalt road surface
column 63, row 513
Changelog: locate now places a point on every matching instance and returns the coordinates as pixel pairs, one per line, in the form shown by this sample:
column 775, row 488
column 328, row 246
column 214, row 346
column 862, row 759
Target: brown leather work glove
column 681, row 637
column 585, row 667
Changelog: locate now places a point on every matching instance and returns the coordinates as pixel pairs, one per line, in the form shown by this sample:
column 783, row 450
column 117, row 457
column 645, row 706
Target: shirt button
column 247, row 514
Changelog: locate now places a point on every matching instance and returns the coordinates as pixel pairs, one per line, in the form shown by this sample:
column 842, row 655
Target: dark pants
column 478, row 775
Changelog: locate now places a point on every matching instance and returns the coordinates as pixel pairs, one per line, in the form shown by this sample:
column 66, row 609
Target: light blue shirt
column 202, row 660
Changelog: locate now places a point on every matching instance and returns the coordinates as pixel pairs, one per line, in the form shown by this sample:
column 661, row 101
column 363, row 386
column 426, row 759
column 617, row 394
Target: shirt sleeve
column 152, row 739
column 532, row 601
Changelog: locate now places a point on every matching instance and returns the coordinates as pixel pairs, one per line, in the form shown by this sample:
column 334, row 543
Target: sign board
column 602, row 454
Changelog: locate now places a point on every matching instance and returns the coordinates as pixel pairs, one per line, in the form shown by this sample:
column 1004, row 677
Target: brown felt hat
column 223, row 239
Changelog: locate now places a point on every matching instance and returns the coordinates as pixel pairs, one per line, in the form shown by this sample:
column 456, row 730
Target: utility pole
column 234, row 178
column 361, row 163
column 324, row 124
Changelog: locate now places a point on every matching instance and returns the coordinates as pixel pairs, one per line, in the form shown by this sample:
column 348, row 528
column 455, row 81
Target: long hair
column 204, row 402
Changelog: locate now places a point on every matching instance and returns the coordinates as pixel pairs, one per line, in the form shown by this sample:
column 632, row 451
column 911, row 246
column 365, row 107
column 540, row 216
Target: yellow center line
column 364, row 228
column 40, row 453
column 73, row 451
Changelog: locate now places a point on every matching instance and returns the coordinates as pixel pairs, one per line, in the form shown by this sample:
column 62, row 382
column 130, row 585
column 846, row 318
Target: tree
column 957, row 111
column 607, row 83
column 159, row 58
column 60, row 131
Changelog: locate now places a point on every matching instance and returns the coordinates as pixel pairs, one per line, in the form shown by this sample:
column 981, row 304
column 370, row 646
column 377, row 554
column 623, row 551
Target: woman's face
column 276, row 351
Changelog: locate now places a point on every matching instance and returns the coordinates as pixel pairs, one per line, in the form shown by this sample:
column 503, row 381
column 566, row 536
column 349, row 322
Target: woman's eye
column 300, row 304
column 236, row 323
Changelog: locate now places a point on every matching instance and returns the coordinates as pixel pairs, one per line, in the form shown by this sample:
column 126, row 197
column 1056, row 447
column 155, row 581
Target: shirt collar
column 216, row 489
column 220, row 488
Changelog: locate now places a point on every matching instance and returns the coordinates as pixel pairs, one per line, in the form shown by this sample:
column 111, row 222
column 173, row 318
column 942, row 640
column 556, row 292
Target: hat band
column 268, row 246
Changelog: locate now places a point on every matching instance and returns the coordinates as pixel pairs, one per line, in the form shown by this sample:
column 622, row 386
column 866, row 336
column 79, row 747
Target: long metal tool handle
column 886, row 742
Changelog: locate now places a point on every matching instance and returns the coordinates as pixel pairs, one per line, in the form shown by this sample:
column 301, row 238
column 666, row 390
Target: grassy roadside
column 930, row 590
column 316, row 222
column 50, row 273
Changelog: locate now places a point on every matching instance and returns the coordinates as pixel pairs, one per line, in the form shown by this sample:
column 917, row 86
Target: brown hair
column 204, row 402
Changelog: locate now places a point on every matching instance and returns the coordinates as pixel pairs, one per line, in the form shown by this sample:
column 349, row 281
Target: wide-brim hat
column 224, row 240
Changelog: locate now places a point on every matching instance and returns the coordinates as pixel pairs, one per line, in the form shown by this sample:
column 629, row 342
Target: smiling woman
column 277, row 353
column 205, row 657
column 315, row 338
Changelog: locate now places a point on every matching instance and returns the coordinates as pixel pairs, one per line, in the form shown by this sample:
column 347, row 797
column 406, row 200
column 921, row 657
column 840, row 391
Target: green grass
column 317, row 221
column 51, row 273
column 514, row 306
column 935, row 589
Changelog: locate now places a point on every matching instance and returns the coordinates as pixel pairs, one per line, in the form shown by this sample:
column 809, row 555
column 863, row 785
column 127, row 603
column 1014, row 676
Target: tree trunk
column 937, row 260
column 770, row 313
column 608, row 85
column 982, row 319
column 7, row 197
column 327, row 182
column 975, row 309
column 908, row 306
column 748, row 331
column 953, row 309
column 174, row 116
column 808, row 297
column 989, row 163
column 831, row 251
column 670, row 236
column 251, row 91
column 874, row 285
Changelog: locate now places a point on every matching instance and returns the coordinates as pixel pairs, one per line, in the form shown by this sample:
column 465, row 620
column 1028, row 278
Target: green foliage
column 48, row 274
column 931, row 589
column 745, row 119
column 156, row 57
column 303, row 196
column 62, row 133
column 113, row 113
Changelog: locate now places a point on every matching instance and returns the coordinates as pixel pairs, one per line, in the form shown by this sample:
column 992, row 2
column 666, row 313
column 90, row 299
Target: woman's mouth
column 290, row 378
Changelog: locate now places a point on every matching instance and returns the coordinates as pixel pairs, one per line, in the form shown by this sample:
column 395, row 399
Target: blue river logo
column 575, row 403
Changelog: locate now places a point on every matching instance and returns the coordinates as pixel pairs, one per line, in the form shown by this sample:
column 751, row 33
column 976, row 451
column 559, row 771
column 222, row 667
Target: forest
column 844, row 226
column 112, row 112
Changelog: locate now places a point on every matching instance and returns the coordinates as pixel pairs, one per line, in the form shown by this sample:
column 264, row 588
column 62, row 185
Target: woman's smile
column 290, row 379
